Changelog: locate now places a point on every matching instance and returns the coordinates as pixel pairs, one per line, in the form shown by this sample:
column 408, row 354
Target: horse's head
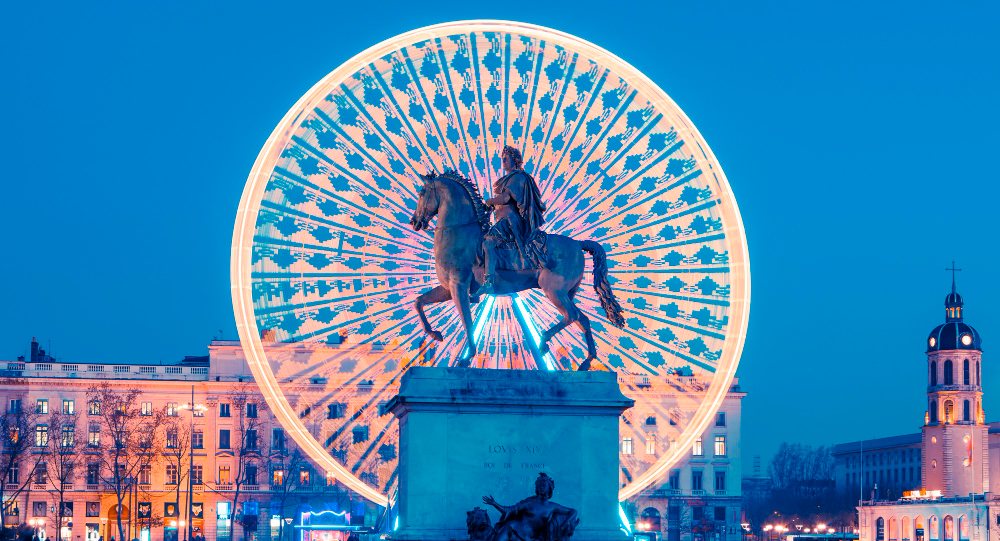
column 427, row 205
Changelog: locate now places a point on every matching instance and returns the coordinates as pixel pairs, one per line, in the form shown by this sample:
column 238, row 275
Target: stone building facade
column 275, row 485
column 700, row 500
column 954, row 497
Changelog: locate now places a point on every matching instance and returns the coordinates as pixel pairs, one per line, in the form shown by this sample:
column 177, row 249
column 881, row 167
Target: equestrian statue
column 474, row 258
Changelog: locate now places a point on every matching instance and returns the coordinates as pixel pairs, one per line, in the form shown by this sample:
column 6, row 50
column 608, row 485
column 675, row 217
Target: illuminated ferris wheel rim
column 250, row 203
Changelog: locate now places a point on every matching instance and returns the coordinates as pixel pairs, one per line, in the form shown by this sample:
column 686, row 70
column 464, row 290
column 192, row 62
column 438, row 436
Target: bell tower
column 955, row 448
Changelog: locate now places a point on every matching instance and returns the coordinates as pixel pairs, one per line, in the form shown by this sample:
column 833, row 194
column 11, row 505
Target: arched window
column 963, row 528
column 650, row 520
column 893, row 529
column 880, row 529
column 933, row 373
column 966, row 380
column 949, row 408
column 918, row 529
column 978, row 375
column 949, row 528
column 966, row 411
column 933, row 525
column 934, row 412
column 904, row 529
column 949, row 373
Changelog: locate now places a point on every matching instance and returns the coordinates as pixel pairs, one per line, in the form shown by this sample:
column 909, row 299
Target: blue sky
column 859, row 138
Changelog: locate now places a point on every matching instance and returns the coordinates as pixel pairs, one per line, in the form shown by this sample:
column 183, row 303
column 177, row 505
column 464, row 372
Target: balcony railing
column 224, row 486
column 697, row 492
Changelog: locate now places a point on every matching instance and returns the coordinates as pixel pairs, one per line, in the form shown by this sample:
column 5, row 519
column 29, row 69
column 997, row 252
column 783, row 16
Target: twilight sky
column 856, row 137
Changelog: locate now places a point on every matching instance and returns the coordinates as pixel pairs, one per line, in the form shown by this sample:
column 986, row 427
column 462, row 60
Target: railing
column 251, row 488
column 102, row 371
column 11, row 486
column 93, row 488
column 224, row 486
column 697, row 492
column 720, row 492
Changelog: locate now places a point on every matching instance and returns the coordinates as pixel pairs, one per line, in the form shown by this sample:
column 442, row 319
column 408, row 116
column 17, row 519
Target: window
column 933, row 373
column 42, row 406
column 966, row 411
column 171, row 438
column 197, row 474
column 626, row 446
column 949, row 373
column 198, row 410
column 335, row 410
column 359, row 434
column 224, row 439
column 145, row 474
column 251, row 410
column 720, row 419
column 949, row 408
column 68, row 436
column 69, row 407
column 225, row 475
column 224, row 410
column 15, row 435
column 720, row 446
column 14, row 474
column 93, row 473
column 146, row 409
column 650, row 446
column 675, row 479
column 304, row 477
column 720, row 481
column 198, row 439
column 651, row 421
column 250, row 474
column 94, row 407
column 172, row 409
column 38, row 509
column 15, row 405
column 41, row 473
column 41, row 435
column 697, row 450
column 278, row 477
column 171, row 477
column 934, row 412
column 698, row 513
column 94, row 435
column 696, row 477
column 966, row 379
column 251, row 439
column 277, row 439
column 720, row 513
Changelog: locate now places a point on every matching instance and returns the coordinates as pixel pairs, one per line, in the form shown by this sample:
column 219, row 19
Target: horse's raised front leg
column 460, row 296
column 434, row 296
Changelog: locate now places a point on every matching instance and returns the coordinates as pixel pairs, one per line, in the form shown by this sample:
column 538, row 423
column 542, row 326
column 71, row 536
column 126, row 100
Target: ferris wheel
column 325, row 268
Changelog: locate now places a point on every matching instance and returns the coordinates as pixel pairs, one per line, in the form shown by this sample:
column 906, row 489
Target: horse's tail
column 601, row 284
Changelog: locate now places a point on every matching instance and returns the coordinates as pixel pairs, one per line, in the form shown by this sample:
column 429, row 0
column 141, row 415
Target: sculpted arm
column 490, row 501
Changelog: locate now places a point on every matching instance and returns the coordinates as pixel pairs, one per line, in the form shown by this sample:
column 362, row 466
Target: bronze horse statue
column 462, row 221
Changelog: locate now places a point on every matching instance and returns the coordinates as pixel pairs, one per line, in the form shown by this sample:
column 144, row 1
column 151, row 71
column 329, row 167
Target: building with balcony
column 222, row 468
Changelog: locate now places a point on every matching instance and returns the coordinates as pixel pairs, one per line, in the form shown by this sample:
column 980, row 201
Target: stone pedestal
column 465, row 433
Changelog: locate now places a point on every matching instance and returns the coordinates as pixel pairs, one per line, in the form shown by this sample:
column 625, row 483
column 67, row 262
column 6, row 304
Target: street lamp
column 288, row 521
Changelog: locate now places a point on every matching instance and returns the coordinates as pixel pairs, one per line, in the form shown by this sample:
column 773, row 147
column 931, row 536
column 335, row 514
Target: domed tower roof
column 954, row 333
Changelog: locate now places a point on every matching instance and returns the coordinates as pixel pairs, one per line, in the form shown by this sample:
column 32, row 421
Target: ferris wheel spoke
column 404, row 118
column 358, row 180
column 419, row 90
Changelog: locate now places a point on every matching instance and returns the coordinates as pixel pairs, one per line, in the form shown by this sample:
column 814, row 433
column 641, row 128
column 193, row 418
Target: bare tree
column 177, row 449
column 60, row 462
column 135, row 440
column 244, row 439
column 17, row 462
column 286, row 466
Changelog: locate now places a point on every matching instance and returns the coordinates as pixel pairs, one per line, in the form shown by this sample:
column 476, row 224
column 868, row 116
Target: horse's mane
column 478, row 205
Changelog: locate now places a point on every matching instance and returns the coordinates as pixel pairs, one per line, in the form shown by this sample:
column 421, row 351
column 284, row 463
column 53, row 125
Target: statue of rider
column 518, row 216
